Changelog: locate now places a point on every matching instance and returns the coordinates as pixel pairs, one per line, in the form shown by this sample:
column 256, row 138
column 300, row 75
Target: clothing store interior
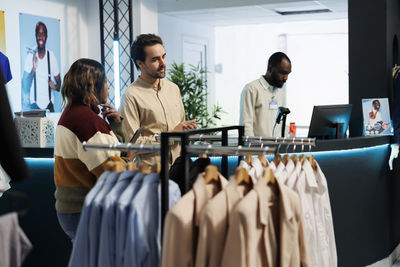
column 200, row 133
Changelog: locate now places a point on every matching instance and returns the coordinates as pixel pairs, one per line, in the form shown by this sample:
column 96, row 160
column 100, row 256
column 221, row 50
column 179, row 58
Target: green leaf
column 192, row 83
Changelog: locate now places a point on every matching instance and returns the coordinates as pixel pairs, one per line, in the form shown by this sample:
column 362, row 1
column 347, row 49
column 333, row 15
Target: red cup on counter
column 292, row 129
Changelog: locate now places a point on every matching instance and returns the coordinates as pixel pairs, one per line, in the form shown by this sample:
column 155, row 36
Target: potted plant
column 193, row 86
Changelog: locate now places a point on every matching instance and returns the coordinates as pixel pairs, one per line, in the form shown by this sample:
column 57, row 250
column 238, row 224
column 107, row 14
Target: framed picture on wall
column 2, row 33
column 40, row 63
column 376, row 116
column 4, row 61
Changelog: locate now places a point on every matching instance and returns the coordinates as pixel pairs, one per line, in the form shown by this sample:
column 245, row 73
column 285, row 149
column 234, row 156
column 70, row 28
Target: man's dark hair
column 276, row 58
column 37, row 27
column 376, row 101
column 143, row 40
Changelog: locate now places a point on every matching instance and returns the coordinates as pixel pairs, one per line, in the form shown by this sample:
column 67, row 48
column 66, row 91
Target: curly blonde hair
column 84, row 83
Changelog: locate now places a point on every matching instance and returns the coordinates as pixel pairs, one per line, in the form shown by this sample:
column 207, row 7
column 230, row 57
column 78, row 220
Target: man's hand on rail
column 185, row 125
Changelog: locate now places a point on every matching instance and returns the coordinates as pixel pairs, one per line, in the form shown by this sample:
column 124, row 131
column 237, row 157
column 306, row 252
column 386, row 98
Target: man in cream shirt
column 151, row 101
column 261, row 98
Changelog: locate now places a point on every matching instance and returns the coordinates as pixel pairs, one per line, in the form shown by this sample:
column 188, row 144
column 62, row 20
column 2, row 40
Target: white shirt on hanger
column 255, row 170
column 292, row 178
column 324, row 222
column 304, row 187
column 281, row 173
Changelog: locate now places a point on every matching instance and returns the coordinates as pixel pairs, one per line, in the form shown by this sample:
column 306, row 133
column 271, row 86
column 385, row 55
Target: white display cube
column 35, row 131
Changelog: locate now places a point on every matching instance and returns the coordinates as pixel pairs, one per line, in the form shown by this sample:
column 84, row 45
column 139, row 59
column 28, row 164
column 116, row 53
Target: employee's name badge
column 273, row 105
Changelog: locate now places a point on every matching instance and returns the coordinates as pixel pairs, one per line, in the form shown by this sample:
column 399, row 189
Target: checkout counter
column 362, row 194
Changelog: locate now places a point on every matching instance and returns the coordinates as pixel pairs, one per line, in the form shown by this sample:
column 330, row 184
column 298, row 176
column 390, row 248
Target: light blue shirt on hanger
column 143, row 244
column 80, row 250
column 106, row 254
column 96, row 216
column 121, row 218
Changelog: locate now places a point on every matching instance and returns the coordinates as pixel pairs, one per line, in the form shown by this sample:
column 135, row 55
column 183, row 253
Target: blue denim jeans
column 69, row 223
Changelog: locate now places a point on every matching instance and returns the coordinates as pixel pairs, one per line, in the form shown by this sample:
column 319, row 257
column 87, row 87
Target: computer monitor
column 330, row 122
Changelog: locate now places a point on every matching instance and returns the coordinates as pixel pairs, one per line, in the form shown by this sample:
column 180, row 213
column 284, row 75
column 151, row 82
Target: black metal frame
column 164, row 175
column 120, row 12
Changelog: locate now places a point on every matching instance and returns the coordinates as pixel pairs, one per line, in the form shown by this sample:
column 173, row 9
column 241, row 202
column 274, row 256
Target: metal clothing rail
column 197, row 137
column 230, row 151
column 280, row 140
column 248, row 139
column 123, row 147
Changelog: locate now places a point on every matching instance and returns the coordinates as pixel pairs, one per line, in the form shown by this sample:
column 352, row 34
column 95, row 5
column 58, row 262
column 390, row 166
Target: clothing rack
column 280, row 140
column 230, row 151
column 249, row 139
column 123, row 147
column 198, row 137
column 187, row 150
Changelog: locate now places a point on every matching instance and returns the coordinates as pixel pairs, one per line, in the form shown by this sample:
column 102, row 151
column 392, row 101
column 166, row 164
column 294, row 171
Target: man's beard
column 157, row 75
column 276, row 82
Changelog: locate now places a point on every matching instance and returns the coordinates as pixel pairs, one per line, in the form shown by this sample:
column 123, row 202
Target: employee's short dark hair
column 276, row 58
column 37, row 27
column 143, row 40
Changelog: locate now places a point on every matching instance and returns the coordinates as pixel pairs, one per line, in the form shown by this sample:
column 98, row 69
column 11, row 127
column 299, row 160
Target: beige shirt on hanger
column 182, row 223
column 252, row 239
column 257, row 114
column 215, row 223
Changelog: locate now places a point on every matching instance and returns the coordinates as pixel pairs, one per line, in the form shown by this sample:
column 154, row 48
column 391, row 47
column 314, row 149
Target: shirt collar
column 147, row 85
column 204, row 192
column 310, row 177
column 266, row 85
column 265, row 194
column 272, row 166
column 320, row 179
column 234, row 193
column 290, row 167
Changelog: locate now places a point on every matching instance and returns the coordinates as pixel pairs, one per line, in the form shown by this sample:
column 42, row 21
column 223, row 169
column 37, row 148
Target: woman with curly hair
column 76, row 171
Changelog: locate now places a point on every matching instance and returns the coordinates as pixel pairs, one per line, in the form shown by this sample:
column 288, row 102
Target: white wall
column 145, row 20
column 243, row 52
column 79, row 31
column 173, row 31
column 145, row 16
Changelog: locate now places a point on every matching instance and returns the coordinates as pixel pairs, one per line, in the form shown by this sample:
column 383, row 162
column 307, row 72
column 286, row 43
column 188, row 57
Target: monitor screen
column 330, row 122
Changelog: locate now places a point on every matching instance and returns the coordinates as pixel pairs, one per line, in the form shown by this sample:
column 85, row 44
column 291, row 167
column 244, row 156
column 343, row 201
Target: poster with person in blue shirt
column 376, row 116
column 40, row 65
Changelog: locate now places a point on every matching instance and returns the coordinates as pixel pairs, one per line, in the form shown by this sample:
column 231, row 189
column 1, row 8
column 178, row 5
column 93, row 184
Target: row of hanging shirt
column 120, row 223
column 253, row 219
column 306, row 178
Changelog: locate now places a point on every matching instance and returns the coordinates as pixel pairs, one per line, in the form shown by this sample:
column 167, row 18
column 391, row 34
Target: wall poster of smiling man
column 40, row 63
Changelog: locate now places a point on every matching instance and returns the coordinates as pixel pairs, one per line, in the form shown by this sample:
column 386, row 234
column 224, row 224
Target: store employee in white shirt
column 261, row 98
